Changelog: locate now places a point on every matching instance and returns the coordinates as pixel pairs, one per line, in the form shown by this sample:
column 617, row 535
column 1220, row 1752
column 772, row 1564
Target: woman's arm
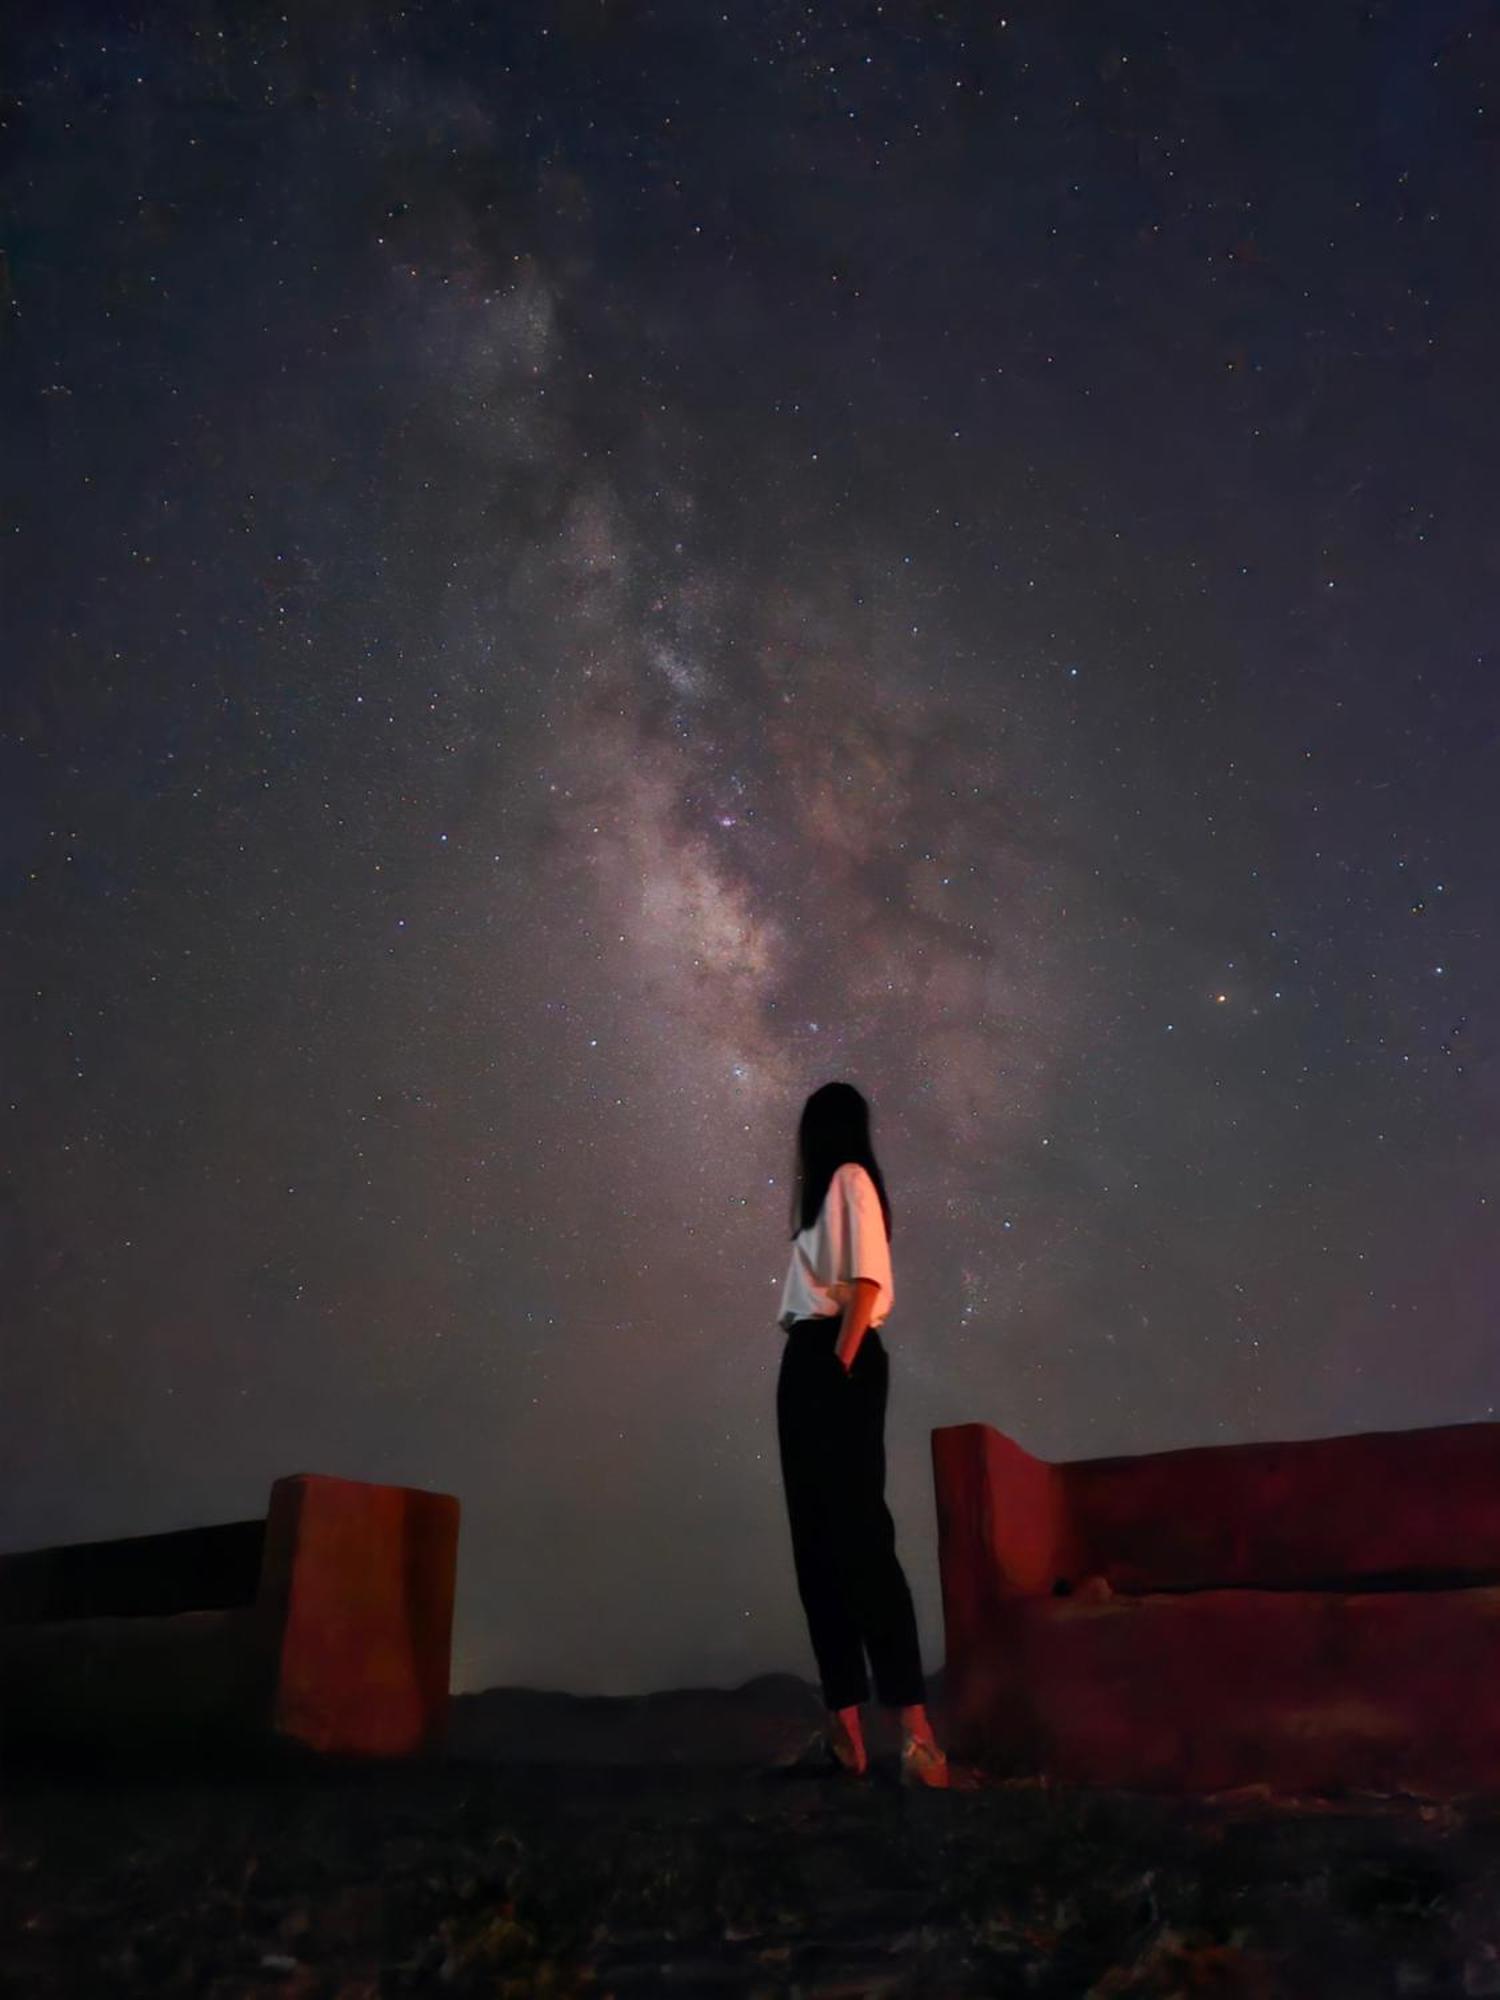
column 856, row 1318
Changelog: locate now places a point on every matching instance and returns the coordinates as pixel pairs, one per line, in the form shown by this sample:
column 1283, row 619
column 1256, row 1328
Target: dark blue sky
column 570, row 577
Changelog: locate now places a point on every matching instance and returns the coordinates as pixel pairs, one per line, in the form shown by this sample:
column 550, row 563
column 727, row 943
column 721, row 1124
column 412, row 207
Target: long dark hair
column 834, row 1127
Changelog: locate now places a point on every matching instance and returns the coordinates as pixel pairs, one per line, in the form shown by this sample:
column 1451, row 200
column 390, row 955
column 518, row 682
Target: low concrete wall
column 1382, row 1678
column 326, row 1627
column 1420, row 1506
column 1302, row 1691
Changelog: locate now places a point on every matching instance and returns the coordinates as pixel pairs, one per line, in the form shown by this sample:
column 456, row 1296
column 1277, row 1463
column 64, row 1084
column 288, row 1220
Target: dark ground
column 611, row 1877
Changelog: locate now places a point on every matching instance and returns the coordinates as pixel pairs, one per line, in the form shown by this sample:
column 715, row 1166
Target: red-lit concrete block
column 357, row 1588
column 1196, row 1687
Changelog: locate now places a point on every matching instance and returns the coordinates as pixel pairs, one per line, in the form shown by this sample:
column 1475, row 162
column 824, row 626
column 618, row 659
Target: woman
column 830, row 1420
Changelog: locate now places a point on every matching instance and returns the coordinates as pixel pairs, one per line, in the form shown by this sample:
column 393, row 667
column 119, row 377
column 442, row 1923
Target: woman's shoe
column 846, row 1754
column 818, row 1758
column 923, row 1763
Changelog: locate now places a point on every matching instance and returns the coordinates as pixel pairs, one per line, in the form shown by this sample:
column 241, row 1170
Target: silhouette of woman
column 830, row 1423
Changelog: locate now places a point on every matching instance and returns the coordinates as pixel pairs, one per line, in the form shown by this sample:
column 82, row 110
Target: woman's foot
column 923, row 1763
column 922, row 1760
column 846, row 1739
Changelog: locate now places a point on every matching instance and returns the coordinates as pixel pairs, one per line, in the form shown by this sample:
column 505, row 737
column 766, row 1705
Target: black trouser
column 830, row 1425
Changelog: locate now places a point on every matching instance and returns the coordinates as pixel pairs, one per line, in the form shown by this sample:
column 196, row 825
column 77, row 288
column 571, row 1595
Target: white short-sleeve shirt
column 847, row 1240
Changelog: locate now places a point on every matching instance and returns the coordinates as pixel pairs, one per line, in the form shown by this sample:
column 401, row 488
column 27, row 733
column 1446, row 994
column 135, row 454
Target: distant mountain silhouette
column 766, row 1721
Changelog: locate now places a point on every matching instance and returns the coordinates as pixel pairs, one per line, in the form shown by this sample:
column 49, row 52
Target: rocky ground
column 611, row 1876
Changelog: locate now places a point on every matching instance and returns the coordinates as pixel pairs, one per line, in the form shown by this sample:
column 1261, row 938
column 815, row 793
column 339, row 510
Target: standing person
column 830, row 1421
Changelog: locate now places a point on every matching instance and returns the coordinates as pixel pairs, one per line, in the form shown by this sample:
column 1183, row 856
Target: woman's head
column 834, row 1127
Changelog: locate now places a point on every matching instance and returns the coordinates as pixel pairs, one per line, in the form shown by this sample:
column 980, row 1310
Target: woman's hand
column 856, row 1319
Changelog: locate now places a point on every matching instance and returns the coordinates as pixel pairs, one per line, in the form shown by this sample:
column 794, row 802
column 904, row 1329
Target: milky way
column 574, row 578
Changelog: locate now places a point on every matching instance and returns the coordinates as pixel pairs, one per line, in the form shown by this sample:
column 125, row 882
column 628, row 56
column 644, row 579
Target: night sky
column 574, row 572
